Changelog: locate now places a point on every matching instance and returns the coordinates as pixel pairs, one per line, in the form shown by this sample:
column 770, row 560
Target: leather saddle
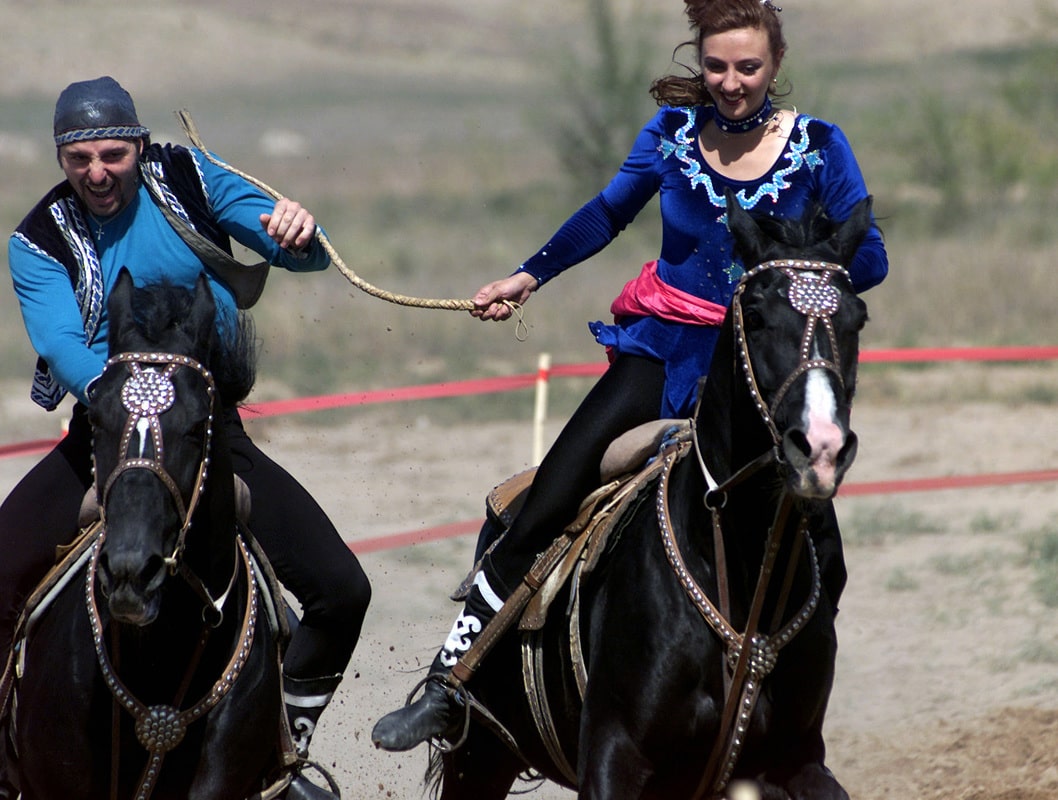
column 627, row 467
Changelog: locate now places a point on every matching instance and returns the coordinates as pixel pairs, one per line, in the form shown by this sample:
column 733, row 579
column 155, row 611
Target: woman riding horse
column 716, row 130
column 684, row 643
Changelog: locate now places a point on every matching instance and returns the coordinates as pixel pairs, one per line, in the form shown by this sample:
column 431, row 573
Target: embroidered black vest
column 56, row 226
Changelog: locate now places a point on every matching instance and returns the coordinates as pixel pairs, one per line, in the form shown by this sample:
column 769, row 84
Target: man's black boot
column 305, row 700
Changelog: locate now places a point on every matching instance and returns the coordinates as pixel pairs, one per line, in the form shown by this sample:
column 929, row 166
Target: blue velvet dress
column 817, row 164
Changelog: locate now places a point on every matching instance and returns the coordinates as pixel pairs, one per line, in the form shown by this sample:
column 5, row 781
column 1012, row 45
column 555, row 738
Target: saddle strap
column 536, row 694
column 465, row 668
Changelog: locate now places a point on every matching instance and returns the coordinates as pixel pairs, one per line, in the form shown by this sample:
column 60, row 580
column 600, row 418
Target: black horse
column 154, row 671
column 701, row 650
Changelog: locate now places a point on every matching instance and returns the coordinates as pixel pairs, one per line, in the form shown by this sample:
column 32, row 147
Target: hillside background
column 432, row 140
column 429, row 139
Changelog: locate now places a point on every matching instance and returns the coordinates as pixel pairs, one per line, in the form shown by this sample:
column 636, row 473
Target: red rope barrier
column 918, row 355
column 428, row 391
column 516, row 382
column 510, row 383
column 947, row 482
column 27, row 448
column 427, row 535
column 396, row 540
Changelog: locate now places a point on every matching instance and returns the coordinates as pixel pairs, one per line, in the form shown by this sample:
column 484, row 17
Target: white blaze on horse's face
column 143, row 429
column 801, row 389
column 822, row 427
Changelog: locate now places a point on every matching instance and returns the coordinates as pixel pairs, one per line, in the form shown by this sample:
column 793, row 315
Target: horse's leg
column 612, row 766
column 58, row 723
column 482, row 769
column 815, row 782
column 810, row 666
column 240, row 739
column 8, row 791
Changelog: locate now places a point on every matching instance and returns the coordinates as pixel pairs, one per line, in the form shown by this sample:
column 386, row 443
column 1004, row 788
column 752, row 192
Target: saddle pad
column 632, row 449
column 626, row 454
column 71, row 558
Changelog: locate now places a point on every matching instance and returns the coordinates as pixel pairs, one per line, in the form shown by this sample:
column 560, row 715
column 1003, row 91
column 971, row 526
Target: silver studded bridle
column 812, row 294
column 147, row 393
column 751, row 654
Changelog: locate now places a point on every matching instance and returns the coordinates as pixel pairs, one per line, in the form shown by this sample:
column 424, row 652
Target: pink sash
column 649, row 296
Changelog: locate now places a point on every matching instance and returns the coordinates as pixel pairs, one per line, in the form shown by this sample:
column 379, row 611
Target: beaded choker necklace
column 746, row 125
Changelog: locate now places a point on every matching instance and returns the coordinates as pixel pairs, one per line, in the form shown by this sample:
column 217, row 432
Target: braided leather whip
column 453, row 305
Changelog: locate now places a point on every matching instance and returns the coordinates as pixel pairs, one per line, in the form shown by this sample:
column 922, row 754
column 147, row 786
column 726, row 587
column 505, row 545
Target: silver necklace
column 100, row 224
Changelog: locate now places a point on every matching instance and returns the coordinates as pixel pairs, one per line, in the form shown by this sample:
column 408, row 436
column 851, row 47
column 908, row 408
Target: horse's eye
column 752, row 319
column 197, row 430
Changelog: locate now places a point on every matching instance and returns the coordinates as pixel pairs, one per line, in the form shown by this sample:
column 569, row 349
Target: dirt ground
column 947, row 683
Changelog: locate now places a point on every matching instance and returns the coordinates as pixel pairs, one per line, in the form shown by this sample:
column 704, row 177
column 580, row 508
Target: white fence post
column 543, row 375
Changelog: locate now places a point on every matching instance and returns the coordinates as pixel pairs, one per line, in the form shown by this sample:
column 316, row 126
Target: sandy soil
column 948, row 670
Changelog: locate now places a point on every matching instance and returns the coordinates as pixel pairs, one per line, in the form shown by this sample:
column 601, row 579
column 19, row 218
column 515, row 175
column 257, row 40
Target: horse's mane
column 160, row 307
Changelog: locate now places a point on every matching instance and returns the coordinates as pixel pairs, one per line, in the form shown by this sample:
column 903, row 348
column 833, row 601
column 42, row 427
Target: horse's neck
column 730, row 430
column 731, row 435
column 211, row 547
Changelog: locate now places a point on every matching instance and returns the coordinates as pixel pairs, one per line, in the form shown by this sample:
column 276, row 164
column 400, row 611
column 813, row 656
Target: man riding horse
column 164, row 212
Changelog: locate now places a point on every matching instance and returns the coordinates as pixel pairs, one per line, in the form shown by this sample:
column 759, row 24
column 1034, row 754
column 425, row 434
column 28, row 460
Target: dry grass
column 417, row 132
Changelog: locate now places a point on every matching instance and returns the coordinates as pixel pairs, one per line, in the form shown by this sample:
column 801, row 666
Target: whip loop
column 192, row 133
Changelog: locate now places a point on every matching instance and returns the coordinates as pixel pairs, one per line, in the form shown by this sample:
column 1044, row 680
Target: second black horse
column 700, row 654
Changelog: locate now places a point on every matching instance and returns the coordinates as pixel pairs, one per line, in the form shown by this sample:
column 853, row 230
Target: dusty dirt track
column 948, row 668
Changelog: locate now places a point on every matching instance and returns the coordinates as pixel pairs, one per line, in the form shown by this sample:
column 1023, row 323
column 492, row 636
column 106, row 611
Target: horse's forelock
column 811, row 236
column 161, row 309
column 158, row 309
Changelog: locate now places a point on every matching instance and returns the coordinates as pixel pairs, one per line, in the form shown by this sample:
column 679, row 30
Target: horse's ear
column 203, row 310
column 851, row 232
column 119, row 309
column 745, row 230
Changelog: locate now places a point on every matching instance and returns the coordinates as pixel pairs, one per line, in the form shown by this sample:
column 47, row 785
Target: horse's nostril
column 153, row 573
column 798, row 439
column 847, row 454
column 796, row 448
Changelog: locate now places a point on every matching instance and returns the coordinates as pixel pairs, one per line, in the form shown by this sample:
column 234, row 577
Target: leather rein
column 752, row 654
column 146, row 395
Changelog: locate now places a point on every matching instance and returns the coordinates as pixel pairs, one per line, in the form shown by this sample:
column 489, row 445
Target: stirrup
column 471, row 705
column 303, row 764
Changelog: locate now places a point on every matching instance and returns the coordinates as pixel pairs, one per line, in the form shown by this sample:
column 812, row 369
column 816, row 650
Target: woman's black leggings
column 307, row 552
column 628, row 394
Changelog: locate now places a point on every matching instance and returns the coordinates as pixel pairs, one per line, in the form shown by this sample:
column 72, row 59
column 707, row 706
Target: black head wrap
column 96, row 109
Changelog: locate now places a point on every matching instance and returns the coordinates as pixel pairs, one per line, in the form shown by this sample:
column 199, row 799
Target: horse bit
column 146, row 395
column 753, row 655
